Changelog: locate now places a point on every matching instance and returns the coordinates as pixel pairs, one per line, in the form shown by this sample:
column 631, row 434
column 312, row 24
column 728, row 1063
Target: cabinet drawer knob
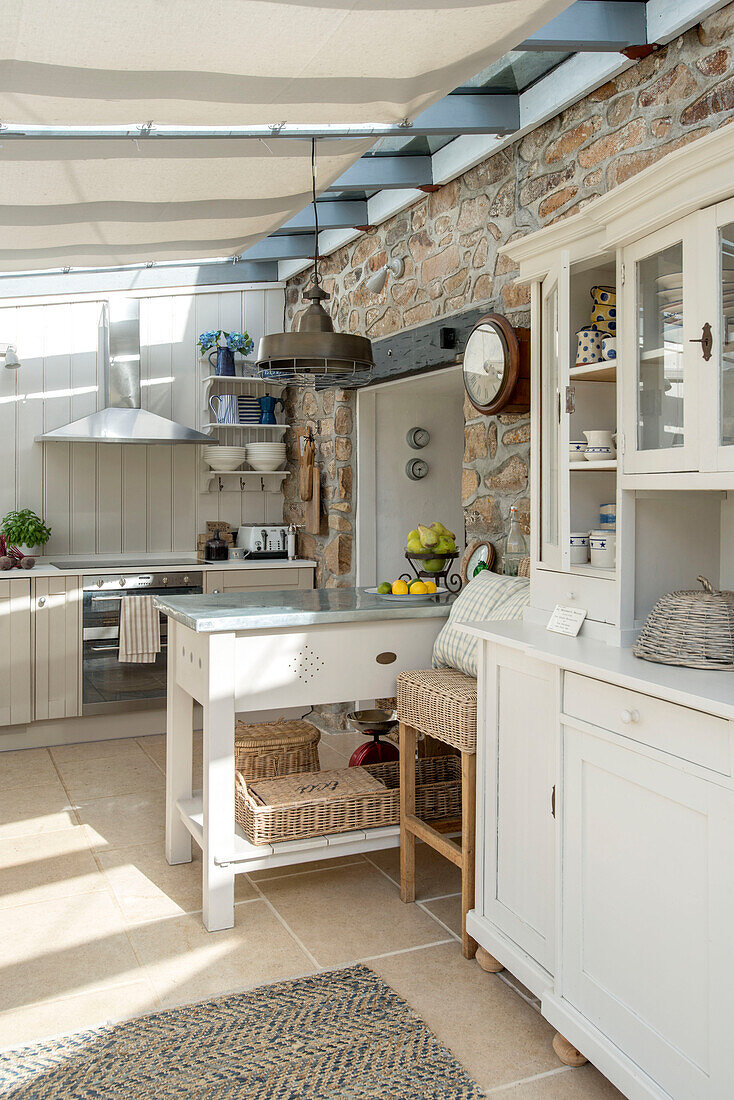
column 629, row 716
column 42, row 601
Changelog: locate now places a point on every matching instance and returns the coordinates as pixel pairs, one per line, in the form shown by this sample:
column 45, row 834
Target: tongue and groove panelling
column 108, row 498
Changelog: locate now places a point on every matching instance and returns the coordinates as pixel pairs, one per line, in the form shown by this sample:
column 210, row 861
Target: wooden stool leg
column 468, row 829
column 567, row 1052
column 408, row 743
column 488, row 962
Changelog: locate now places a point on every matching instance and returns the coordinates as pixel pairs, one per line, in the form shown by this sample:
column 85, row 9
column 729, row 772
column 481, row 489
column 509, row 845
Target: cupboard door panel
column 57, row 616
column 648, row 853
column 16, row 664
column 518, row 846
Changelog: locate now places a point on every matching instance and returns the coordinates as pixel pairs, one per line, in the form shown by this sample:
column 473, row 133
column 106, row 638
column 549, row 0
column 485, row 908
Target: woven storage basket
column 438, row 795
column 694, row 629
column 269, row 749
column 441, row 702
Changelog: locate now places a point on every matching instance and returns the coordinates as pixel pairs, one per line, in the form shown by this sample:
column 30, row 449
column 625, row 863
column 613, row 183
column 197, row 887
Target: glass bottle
column 515, row 547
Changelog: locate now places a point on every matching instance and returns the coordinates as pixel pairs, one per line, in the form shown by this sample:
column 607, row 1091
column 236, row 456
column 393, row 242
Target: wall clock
column 477, row 554
column 497, row 366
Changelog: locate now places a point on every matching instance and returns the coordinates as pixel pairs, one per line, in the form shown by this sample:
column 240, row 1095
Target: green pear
column 444, row 545
column 428, row 537
column 414, row 534
column 441, row 530
column 434, row 565
column 414, row 546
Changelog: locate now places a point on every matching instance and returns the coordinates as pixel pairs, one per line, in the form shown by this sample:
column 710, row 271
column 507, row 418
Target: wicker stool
column 271, row 749
column 443, row 704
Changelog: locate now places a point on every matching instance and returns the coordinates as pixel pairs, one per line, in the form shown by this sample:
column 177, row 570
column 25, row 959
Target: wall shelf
column 238, row 380
column 266, row 481
column 605, row 371
column 611, row 465
column 274, row 428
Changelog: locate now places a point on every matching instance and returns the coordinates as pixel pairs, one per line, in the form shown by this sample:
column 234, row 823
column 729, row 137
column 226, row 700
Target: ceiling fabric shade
column 247, row 61
column 101, row 202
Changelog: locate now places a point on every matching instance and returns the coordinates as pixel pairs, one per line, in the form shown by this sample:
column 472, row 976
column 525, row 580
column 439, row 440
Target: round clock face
column 485, row 365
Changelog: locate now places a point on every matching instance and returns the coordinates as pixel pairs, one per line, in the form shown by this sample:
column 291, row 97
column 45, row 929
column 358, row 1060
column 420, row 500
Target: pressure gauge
column 416, row 469
column 418, row 438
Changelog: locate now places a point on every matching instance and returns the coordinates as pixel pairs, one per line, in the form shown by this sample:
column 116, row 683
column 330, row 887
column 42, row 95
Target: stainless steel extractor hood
column 122, row 420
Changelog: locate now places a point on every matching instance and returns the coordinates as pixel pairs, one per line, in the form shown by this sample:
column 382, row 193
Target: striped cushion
column 487, row 596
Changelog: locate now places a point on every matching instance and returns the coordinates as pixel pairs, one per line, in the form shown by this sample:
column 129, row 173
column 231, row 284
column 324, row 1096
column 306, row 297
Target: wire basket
column 694, row 629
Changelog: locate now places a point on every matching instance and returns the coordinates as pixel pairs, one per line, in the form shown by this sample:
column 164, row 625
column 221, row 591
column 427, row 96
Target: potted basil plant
column 25, row 531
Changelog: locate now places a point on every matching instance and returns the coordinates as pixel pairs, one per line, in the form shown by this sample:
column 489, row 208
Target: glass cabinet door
column 554, row 376
column 660, row 421
column 716, row 280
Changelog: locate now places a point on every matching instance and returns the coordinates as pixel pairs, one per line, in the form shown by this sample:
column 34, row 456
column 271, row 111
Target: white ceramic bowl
column 577, row 451
column 224, row 458
column 265, row 465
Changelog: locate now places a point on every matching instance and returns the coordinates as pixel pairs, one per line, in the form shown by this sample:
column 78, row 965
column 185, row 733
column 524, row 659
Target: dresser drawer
column 680, row 731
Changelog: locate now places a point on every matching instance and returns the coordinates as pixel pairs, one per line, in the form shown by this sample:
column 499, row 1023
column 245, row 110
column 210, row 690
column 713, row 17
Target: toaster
column 261, row 540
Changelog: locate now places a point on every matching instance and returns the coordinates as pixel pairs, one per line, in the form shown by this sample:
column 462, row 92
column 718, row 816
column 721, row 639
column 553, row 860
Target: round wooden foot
column 488, row 962
column 567, row 1051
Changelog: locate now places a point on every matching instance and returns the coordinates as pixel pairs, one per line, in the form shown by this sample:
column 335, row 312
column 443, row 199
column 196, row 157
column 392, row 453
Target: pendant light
column 313, row 354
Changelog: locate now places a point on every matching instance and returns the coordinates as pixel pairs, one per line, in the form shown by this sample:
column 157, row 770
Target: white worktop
column 709, row 690
column 146, row 563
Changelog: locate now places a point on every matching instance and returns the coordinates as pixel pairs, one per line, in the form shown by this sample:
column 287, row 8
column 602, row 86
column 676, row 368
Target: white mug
column 225, row 411
column 603, row 546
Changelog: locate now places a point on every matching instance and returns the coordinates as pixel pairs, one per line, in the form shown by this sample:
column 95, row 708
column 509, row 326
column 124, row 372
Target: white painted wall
column 104, row 498
column 390, row 504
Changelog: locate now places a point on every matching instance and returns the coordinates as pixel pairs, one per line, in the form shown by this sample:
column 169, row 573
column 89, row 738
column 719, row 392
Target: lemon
column 418, row 588
column 399, row 588
column 430, row 586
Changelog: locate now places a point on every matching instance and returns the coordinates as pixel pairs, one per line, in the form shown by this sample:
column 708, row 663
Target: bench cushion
column 488, row 596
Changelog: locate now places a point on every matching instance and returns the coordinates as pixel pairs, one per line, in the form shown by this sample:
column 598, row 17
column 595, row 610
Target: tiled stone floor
column 95, row 926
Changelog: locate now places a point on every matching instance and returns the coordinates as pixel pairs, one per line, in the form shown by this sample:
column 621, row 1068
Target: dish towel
column 140, row 630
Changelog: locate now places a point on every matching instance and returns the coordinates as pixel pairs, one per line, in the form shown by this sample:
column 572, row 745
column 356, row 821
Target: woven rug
column 344, row 1035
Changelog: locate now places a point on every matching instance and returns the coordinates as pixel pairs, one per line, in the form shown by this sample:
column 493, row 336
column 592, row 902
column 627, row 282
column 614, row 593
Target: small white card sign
column 566, row 620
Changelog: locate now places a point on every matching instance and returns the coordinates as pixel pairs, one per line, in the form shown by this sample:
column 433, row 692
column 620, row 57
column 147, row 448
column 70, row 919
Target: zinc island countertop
column 308, row 607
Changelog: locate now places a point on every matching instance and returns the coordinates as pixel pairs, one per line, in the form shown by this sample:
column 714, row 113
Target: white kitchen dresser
column 605, row 875
column 605, row 802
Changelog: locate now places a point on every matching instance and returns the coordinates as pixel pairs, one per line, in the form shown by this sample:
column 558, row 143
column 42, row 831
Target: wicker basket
column 694, row 629
column 270, row 749
column 438, row 795
column 441, row 702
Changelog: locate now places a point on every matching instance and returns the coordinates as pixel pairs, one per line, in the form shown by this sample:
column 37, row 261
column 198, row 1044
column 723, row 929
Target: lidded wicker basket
column 270, row 749
column 694, row 629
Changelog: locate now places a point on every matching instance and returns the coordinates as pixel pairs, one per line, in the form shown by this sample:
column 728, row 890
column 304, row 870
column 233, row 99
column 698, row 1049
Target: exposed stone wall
column 450, row 241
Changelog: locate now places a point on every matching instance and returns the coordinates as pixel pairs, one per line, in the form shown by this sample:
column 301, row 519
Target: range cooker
column 107, row 683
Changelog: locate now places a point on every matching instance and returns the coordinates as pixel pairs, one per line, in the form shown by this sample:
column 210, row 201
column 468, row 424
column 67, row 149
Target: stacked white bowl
column 224, row 458
column 266, row 456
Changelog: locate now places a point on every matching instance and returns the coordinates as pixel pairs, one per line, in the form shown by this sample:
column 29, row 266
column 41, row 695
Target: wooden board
column 312, row 511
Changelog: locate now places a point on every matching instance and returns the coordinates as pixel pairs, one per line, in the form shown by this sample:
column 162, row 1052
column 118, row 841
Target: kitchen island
column 242, row 652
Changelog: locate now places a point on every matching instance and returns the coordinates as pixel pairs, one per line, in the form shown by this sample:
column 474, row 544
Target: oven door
column 107, row 683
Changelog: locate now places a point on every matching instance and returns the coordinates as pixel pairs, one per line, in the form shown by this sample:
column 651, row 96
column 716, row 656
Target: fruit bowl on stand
column 432, row 566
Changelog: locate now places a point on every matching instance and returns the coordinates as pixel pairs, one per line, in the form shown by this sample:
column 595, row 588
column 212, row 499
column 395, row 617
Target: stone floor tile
column 497, row 1036
column 47, row 865
column 95, row 750
column 25, row 768
column 102, row 776
column 347, row 913
column 57, row 948
column 448, row 911
column 124, row 820
column 47, row 1019
column 304, row 868
column 186, row 963
column 434, row 876
column 585, row 1083
column 148, row 888
column 36, row 809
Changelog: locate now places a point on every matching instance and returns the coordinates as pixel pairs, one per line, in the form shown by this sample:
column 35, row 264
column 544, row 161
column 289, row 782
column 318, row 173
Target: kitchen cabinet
column 648, row 851
column 515, row 902
column 232, row 579
column 57, row 608
column 16, row 696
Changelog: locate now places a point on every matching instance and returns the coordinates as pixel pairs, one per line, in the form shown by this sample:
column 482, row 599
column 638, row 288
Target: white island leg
column 179, row 763
column 218, row 881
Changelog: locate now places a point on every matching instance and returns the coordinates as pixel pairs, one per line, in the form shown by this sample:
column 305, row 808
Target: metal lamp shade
column 314, row 354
